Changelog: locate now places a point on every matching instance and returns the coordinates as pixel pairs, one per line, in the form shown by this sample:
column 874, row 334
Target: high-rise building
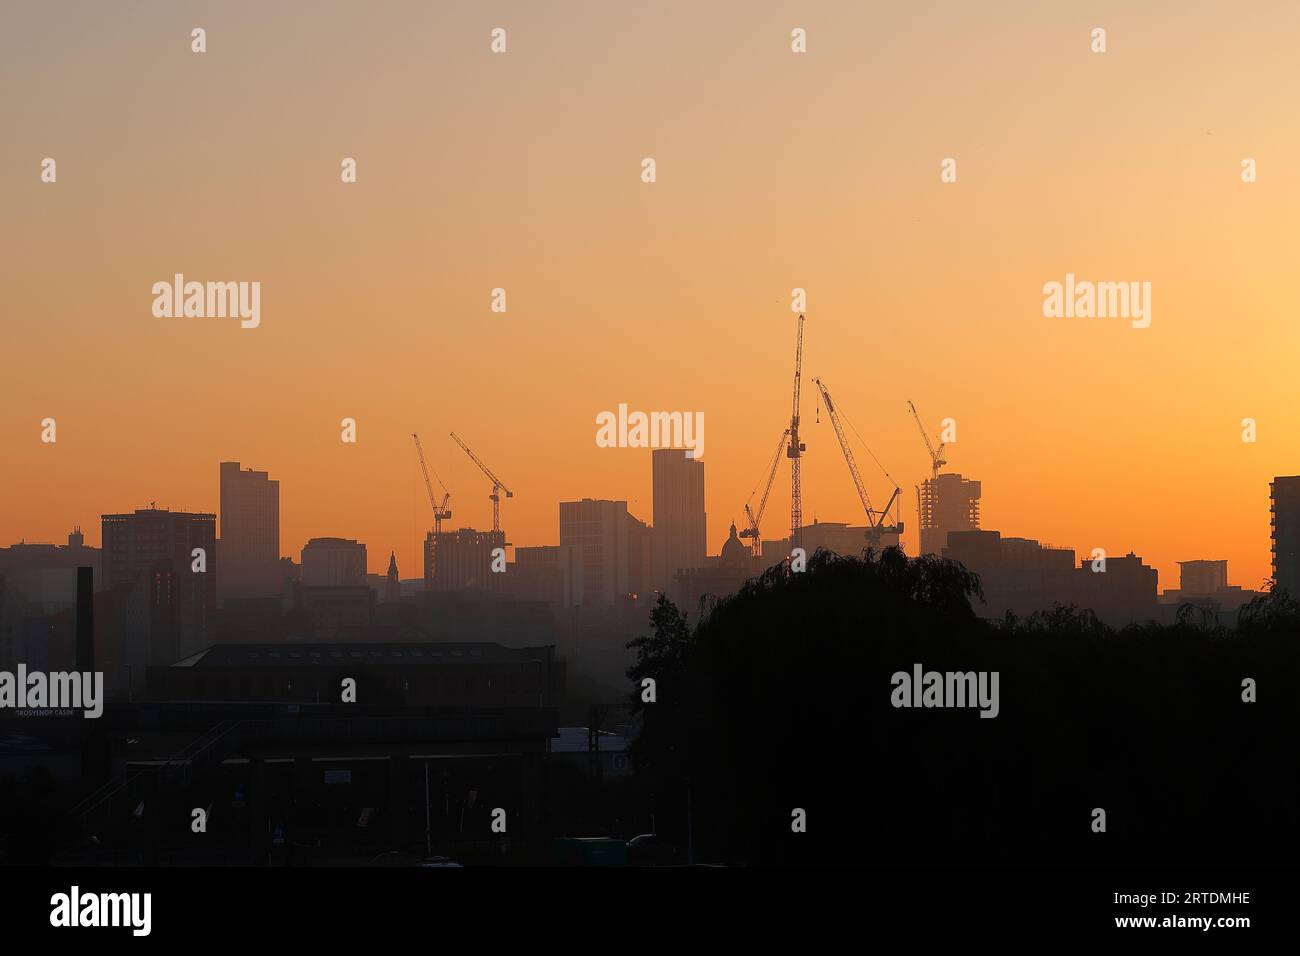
column 948, row 503
column 462, row 559
column 1202, row 577
column 333, row 563
column 154, row 551
column 250, row 533
column 1285, row 520
column 680, row 524
column 640, row 556
column 599, row 531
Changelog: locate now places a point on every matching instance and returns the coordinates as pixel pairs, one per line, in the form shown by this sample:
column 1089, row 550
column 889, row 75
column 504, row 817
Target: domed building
column 694, row 590
column 734, row 553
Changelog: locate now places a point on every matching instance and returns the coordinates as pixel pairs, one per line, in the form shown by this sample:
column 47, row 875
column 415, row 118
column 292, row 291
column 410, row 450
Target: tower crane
column 876, row 526
column 795, row 449
column 936, row 454
column 926, row 501
column 440, row 512
column 498, row 485
column 750, row 516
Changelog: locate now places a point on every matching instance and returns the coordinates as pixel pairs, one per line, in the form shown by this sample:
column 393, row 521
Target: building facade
column 250, row 533
column 1284, row 493
column 679, row 519
column 947, row 503
column 157, row 553
column 598, row 532
column 333, row 563
column 462, row 559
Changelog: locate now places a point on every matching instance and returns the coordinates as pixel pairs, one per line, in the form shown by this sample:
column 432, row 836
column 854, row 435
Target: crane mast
column 926, row 501
column 498, row 485
column 875, row 519
column 750, row 516
column 440, row 511
column 936, row 455
column 795, row 449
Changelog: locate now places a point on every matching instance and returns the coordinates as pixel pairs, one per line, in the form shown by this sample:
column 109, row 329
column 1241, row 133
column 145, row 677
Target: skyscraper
column 1285, row 520
column 680, row 532
column 947, row 503
column 598, row 530
column 156, row 551
column 640, row 555
column 250, row 533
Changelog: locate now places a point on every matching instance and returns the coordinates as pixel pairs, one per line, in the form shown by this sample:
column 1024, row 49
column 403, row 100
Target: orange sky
column 775, row 170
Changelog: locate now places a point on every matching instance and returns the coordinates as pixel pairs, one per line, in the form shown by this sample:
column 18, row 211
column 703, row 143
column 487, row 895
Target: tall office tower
column 640, row 556
column 333, row 563
column 947, row 503
column 679, row 540
column 250, row 533
column 462, row 559
column 1285, row 520
column 154, row 551
column 599, row 531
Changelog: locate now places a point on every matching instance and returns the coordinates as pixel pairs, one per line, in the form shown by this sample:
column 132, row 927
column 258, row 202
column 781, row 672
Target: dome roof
column 734, row 550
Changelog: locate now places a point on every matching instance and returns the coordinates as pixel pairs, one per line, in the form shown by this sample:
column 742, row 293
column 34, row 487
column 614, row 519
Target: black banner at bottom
column 330, row 905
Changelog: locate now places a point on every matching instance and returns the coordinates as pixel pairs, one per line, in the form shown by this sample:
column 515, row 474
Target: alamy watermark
column 1098, row 300
column 947, row 689
column 651, row 430
column 75, row 909
column 32, row 691
column 211, row 300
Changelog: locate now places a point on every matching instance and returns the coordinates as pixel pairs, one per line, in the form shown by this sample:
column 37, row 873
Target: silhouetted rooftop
column 297, row 655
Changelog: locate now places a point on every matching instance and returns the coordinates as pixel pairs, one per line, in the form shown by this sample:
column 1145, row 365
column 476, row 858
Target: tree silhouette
column 780, row 698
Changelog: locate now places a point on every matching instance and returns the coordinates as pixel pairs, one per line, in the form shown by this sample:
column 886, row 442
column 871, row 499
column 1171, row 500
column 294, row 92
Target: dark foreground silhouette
column 780, row 700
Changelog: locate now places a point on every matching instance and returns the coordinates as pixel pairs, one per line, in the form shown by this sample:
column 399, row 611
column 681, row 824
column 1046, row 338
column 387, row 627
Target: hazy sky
column 775, row 171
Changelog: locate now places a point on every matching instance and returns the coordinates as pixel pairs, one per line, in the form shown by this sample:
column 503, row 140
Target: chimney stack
column 86, row 620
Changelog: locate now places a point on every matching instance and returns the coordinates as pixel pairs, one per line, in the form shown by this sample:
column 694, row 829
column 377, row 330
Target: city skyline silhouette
column 776, row 172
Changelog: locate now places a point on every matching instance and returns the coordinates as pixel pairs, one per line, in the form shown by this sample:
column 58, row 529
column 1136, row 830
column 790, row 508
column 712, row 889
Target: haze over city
column 774, row 172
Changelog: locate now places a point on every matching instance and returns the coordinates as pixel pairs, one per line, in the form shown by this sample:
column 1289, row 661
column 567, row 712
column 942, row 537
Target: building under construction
column 461, row 559
column 947, row 503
